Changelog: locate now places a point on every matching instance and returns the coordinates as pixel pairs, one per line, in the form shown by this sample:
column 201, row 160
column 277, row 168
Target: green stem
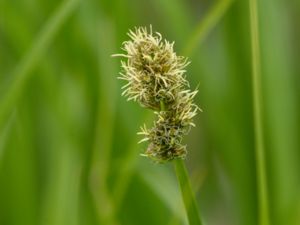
column 187, row 194
column 263, row 206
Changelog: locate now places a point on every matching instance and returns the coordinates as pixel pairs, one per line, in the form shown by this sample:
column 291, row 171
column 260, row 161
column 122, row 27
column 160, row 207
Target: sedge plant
column 156, row 79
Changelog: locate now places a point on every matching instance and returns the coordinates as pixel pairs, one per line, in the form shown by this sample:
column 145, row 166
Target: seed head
column 155, row 78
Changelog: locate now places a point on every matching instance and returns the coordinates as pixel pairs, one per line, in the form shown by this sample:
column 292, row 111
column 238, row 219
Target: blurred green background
column 68, row 143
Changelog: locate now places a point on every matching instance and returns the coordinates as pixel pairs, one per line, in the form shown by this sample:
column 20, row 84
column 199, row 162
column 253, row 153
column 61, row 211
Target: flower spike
column 155, row 77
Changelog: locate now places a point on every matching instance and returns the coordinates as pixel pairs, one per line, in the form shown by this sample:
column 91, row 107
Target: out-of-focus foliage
column 68, row 143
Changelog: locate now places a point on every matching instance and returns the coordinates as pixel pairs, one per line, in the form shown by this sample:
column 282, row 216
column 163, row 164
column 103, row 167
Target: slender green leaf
column 23, row 70
column 258, row 121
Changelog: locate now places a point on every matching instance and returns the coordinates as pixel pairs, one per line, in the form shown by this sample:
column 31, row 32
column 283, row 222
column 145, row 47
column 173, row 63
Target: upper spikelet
column 153, row 71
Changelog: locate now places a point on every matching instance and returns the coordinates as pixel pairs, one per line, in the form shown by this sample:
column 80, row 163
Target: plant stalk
column 187, row 194
column 263, row 206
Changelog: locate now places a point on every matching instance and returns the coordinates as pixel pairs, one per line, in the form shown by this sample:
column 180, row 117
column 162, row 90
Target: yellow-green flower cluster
column 155, row 78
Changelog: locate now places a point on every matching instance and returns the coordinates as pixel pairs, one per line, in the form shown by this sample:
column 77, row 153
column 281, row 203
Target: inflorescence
column 155, row 78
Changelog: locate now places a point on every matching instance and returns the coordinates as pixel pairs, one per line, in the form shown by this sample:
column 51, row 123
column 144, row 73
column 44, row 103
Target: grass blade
column 206, row 25
column 258, row 123
column 31, row 59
